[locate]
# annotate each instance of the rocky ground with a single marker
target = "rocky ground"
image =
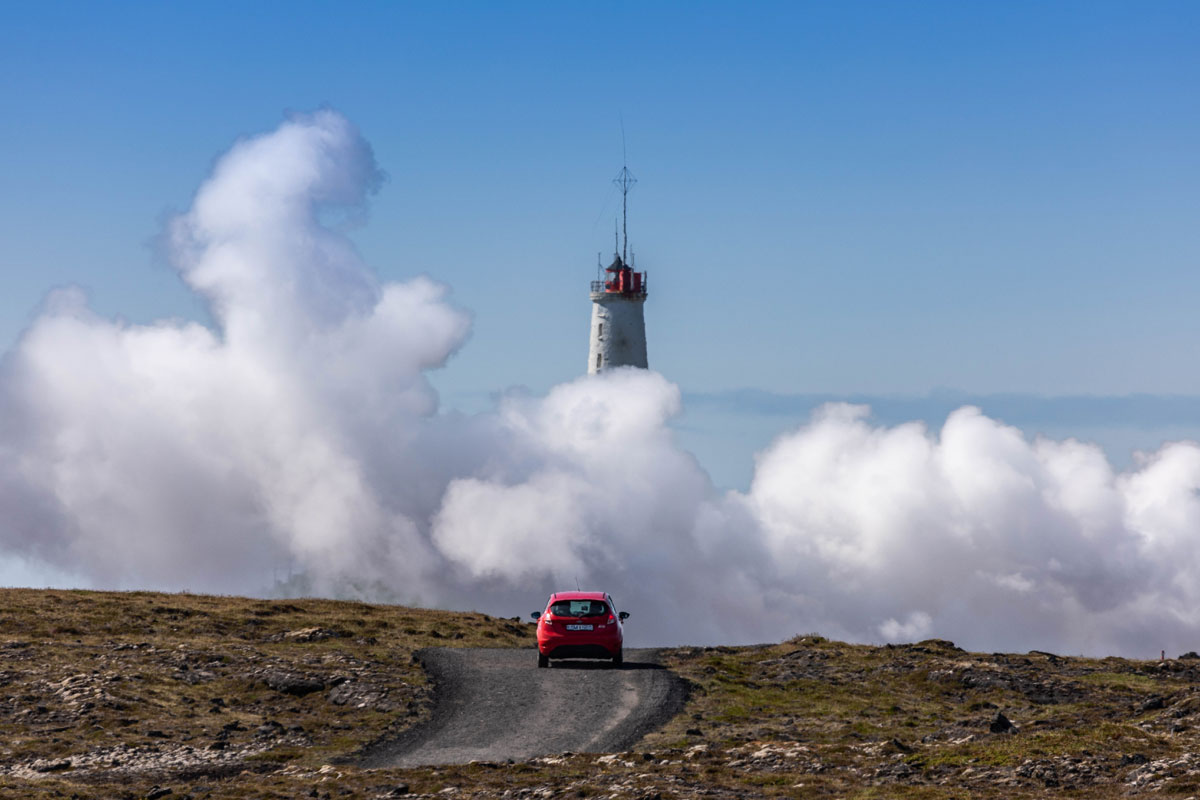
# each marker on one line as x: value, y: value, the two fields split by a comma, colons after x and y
x: 148, y: 695
x: 117, y: 694
x: 930, y: 720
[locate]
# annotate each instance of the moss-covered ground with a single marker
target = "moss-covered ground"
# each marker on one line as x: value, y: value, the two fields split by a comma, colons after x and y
x: 134, y: 695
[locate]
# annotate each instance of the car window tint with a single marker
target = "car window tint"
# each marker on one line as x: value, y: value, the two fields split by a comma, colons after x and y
x: 579, y: 608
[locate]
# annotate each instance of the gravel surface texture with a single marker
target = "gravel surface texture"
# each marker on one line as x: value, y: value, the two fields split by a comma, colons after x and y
x: 494, y: 705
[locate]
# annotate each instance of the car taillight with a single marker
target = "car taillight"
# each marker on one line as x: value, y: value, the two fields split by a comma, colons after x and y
x: 611, y: 619
x: 548, y: 617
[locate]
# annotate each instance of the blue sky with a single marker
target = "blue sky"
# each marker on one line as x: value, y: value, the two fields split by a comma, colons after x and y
x: 838, y: 199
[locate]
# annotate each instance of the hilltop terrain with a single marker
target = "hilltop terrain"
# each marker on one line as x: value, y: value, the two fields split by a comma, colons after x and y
x: 135, y: 695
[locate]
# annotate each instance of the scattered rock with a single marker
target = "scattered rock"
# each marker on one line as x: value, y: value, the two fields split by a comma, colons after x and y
x: 292, y: 683
x: 1152, y: 775
x: 157, y: 792
x: 1002, y: 724
x: 359, y: 695
x: 306, y: 635
x: 195, y: 676
x: 897, y: 770
x: 270, y: 728
x: 1153, y: 704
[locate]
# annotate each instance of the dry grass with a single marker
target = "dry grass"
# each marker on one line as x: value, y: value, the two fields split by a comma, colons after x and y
x: 110, y: 695
x: 120, y: 691
x: 916, y: 720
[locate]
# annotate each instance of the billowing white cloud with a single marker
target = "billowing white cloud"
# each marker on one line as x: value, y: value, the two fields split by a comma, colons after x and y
x: 917, y: 626
x: 299, y: 435
x: 174, y: 455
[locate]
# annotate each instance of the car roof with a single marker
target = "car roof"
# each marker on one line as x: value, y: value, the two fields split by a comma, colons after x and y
x: 577, y: 596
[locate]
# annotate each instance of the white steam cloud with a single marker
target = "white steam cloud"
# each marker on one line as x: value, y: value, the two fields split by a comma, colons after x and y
x: 301, y: 433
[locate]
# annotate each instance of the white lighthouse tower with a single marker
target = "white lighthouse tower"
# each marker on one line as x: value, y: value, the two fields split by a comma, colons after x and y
x: 618, y: 337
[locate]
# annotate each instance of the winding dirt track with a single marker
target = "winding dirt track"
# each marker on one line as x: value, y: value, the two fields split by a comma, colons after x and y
x: 493, y: 705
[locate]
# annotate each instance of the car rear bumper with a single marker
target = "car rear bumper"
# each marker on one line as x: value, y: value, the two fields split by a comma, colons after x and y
x: 580, y: 645
x: 582, y: 651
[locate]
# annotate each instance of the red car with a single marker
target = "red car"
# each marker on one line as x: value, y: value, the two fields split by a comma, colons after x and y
x: 580, y: 625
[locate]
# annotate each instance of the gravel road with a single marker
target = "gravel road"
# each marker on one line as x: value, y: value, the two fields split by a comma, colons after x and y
x: 493, y: 705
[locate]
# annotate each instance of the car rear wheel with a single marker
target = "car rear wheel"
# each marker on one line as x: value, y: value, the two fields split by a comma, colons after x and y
x: 543, y: 661
x: 619, y: 658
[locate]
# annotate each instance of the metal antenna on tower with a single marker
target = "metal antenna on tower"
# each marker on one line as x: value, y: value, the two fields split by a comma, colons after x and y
x: 624, y: 181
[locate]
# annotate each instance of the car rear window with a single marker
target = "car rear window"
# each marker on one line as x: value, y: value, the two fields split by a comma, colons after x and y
x: 579, y: 608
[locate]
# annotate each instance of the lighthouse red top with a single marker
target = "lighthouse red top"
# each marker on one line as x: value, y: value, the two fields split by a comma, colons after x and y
x: 623, y: 280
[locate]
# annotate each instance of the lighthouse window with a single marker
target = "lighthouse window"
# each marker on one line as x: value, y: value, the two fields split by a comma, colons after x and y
x: 598, y: 357
x: 600, y: 329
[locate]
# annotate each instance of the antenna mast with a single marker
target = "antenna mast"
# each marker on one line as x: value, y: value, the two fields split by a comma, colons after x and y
x: 624, y: 181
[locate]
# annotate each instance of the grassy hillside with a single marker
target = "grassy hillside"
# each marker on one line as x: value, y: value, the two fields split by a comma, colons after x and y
x: 930, y: 720
x: 117, y: 693
x: 132, y: 695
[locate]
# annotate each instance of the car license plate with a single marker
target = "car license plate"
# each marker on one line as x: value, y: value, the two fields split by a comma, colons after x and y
x: 579, y: 627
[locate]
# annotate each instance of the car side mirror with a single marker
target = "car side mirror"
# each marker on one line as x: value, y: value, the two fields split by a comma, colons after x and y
x: 536, y: 615
x: 624, y: 615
